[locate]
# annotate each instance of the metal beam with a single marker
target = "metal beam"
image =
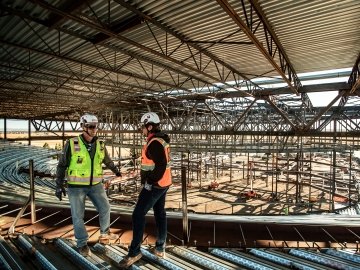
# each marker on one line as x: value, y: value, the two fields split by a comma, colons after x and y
x: 292, y: 81
x: 135, y: 44
x: 186, y: 40
x: 243, y: 115
x: 64, y: 58
x: 118, y: 27
x: 354, y: 79
x: 354, y: 84
x: 324, y: 110
x: 188, y: 116
x: 215, y: 115
x: 287, y: 119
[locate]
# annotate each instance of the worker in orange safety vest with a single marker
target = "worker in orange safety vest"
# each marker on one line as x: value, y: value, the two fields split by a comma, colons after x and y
x: 156, y: 179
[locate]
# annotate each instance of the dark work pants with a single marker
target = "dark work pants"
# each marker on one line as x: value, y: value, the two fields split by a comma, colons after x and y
x: 155, y: 199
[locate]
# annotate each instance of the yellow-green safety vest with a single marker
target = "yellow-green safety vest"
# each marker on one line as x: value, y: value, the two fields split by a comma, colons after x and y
x: 79, y: 170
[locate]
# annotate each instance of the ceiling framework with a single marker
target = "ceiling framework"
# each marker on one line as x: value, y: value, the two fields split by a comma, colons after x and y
x: 207, y: 67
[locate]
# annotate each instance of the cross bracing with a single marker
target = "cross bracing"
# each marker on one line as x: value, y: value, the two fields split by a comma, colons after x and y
x: 223, y: 66
x: 232, y: 81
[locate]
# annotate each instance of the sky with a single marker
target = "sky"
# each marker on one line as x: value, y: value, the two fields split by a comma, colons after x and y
x: 318, y: 99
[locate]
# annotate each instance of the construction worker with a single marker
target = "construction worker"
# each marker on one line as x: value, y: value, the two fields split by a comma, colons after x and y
x: 156, y: 179
x: 81, y: 163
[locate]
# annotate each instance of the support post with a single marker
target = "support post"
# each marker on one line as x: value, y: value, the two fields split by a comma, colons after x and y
x: 184, y: 205
x: 63, y: 134
x: 30, y: 201
x: 5, y: 129
x: 29, y: 132
x: 333, y: 186
x: 32, y: 191
x: 350, y: 176
x: 333, y: 169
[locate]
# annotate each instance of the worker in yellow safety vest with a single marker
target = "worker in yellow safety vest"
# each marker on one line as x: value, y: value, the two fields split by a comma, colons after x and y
x: 81, y: 164
x: 156, y: 179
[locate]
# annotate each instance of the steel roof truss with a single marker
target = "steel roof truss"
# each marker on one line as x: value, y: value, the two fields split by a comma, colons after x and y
x: 167, y: 115
x: 283, y: 66
x: 220, y: 121
x: 352, y: 122
x: 324, y: 110
x: 185, y: 40
x: 354, y: 79
x: 270, y: 100
x: 354, y: 83
x: 188, y: 115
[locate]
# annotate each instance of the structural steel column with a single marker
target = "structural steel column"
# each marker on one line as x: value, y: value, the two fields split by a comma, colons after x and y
x: 184, y: 205
x: 32, y: 191
x: 5, y: 130
x: 29, y: 132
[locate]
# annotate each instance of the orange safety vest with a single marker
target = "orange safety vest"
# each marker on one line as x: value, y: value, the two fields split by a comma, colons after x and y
x: 149, y: 165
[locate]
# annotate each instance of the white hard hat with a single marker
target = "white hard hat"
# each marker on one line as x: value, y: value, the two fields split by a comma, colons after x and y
x: 150, y: 118
x: 88, y: 119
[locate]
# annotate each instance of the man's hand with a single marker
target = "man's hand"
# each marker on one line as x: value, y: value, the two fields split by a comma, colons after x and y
x: 107, y: 184
x: 60, y: 190
x: 147, y: 186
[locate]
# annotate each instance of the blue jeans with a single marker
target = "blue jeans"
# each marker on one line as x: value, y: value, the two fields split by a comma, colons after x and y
x: 154, y: 199
x: 97, y: 195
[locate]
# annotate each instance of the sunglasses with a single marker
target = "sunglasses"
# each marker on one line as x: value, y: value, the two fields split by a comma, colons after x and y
x: 91, y: 126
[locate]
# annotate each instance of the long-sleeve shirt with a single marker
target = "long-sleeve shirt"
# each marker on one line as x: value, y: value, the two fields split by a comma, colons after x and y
x: 65, y: 158
x: 155, y: 152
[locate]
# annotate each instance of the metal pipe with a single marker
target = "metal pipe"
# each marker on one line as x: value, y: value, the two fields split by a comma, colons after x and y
x: 74, y: 255
x: 332, y: 237
x: 271, y: 236
x: 332, y: 192
x: 5, y: 129
x: 350, y: 174
x: 19, y: 215
x: 242, y: 235
x: 44, y: 262
x: 63, y: 134
x: 302, y: 237
x: 231, y: 169
x: 184, y: 205
x: 32, y: 191
x: 29, y: 132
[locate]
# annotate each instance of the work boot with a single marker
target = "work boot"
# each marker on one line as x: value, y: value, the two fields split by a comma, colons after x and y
x: 158, y: 253
x: 84, y: 251
x: 128, y: 261
x: 105, y: 238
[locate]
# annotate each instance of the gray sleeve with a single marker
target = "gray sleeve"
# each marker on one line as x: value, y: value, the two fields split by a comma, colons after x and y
x: 109, y: 163
x: 63, y: 164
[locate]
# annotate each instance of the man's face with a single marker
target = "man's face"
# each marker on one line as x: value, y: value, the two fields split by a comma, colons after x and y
x: 91, y: 128
x: 145, y: 130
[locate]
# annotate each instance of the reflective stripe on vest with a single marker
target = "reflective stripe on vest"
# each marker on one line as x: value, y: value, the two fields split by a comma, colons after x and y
x: 149, y: 165
x: 79, y: 171
x: 76, y: 144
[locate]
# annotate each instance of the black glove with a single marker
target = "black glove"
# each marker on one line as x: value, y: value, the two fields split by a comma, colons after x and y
x: 60, y: 190
x: 118, y: 174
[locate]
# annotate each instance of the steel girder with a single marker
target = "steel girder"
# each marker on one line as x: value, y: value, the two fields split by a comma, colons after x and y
x: 273, y: 51
x: 249, y: 22
x: 101, y: 76
x: 105, y: 30
x: 354, y: 85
